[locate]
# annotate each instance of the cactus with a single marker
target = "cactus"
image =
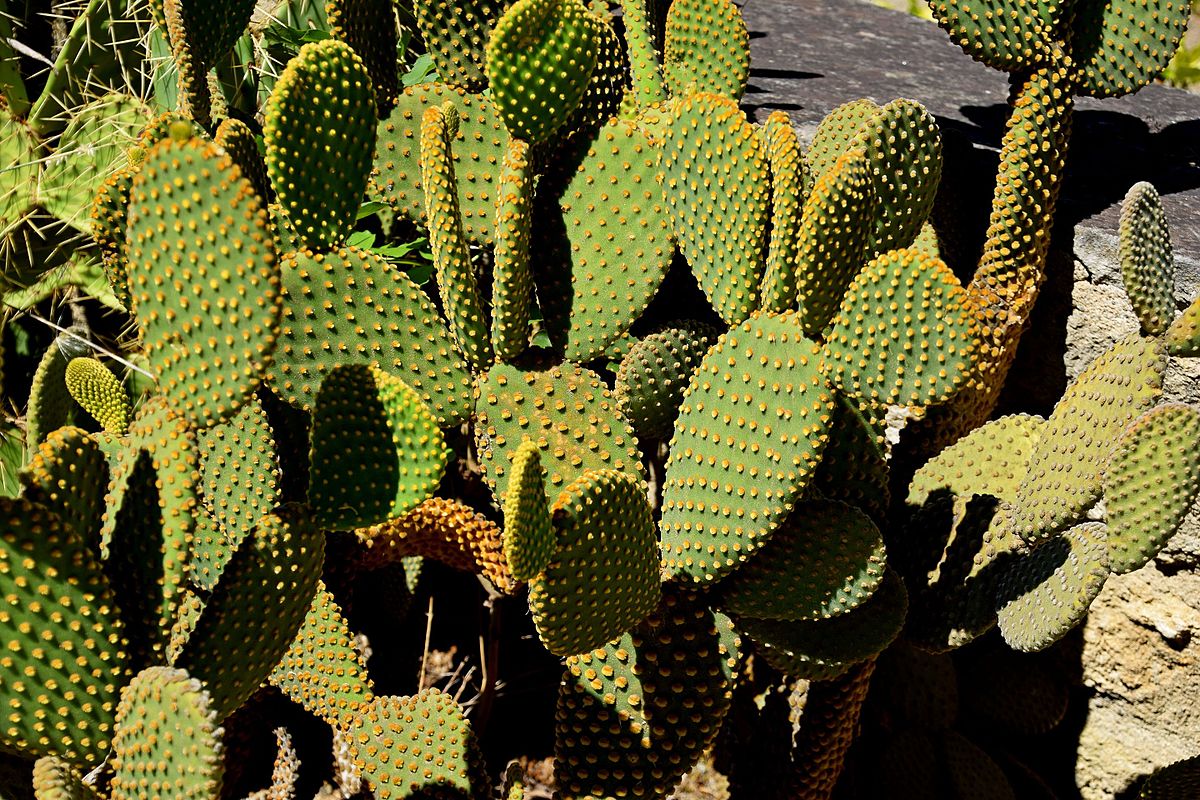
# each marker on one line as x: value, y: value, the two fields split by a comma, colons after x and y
x: 98, y: 392
x: 655, y: 373
x: 529, y: 538
x: 691, y: 62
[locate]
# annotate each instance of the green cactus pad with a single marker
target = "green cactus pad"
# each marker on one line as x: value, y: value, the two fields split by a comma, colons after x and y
x: 377, y: 451
x: 707, y: 49
x: 456, y: 35
x: 540, y: 59
x: 67, y: 476
x: 603, y: 577
x: 904, y: 148
x: 455, y: 272
x: 167, y: 743
x: 1044, y: 593
x: 835, y: 226
x: 716, y: 180
x: 352, y: 307
x: 1122, y: 45
x: 529, y: 538
x: 790, y: 185
x: 1150, y: 483
x: 99, y: 393
x: 109, y: 214
x: 655, y: 373
x: 239, y: 483
x: 827, y: 648
x: 835, y: 134
x: 87, y: 153
x: 512, y: 281
x: 993, y: 460
x: 1183, y: 337
x: 443, y: 530
x: 200, y: 33
x: 927, y: 241
x: 593, y: 280
x: 904, y: 334
x: 478, y: 152
x: 369, y: 28
x: 636, y: 714
x: 54, y: 779
x: 1078, y: 439
x: 566, y: 410
x: 319, y: 152
x: 207, y: 304
x: 748, y: 438
x: 50, y: 404
x: 854, y: 468
x: 1147, y: 263
x: 419, y: 746
x: 1177, y: 781
x: 646, y: 78
x: 609, y: 82
x: 322, y: 670
x: 257, y: 608
x: 59, y: 611
x: 826, y: 559
x: 237, y: 139
x: 1009, y: 35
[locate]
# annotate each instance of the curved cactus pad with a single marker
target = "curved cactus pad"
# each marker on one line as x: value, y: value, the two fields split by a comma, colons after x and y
x: 67, y: 476
x: 61, y: 639
x: 790, y: 185
x: 256, y: 609
x: 636, y: 714
x: 854, y: 468
x: 417, y: 746
x: 1150, y: 484
x: 826, y: 559
x: 529, y: 538
x: 455, y: 272
x: 238, y: 140
x: 1122, y: 45
x: 656, y: 372
x: 377, y: 452
x: 1147, y: 263
x: 319, y: 151
x: 707, y: 49
x: 603, y: 577
x: 369, y: 27
x: 1008, y: 35
x: 98, y: 392
x: 716, y: 180
x: 239, y: 483
x: 206, y: 298
x: 457, y: 34
x: 54, y: 779
x: 323, y: 671
x: 1183, y: 337
x: 540, y: 58
x: 441, y: 529
x: 1077, y: 440
x: 512, y: 281
x: 827, y: 648
x: 167, y: 742
x: 991, y: 460
x: 748, y: 438
x: 1046, y: 592
x: 1177, y: 781
x: 835, y: 134
x: 905, y: 334
x: 478, y: 150
x: 566, y: 410
x: 603, y: 238
x: 352, y: 307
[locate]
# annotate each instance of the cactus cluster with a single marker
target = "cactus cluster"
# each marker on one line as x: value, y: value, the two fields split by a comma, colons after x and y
x: 287, y: 412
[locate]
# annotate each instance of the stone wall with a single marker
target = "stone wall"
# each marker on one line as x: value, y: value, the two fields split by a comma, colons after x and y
x: 1141, y: 651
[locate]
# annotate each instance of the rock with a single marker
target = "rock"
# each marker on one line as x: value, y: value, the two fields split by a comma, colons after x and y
x: 1142, y: 654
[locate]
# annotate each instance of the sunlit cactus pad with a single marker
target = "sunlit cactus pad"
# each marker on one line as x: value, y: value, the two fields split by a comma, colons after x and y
x: 214, y: 285
x: 319, y: 153
x: 747, y: 440
x: 351, y: 306
x: 167, y: 742
x: 1007, y: 35
x: 411, y: 746
x: 58, y: 610
x: 529, y: 538
x: 566, y: 410
x: 1147, y: 261
x: 603, y: 577
x: 1150, y: 484
x: 641, y: 709
x: 707, y: 48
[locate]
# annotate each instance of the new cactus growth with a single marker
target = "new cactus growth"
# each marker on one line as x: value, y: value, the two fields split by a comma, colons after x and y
x: 426, y: 321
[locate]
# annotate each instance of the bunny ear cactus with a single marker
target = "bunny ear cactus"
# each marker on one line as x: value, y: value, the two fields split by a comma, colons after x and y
x: 457, y: 35
x: 707, y: 49
x: 99, y: 393
x: 1147, y: 263
x: 200, y: 33
x: 369, y: 28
